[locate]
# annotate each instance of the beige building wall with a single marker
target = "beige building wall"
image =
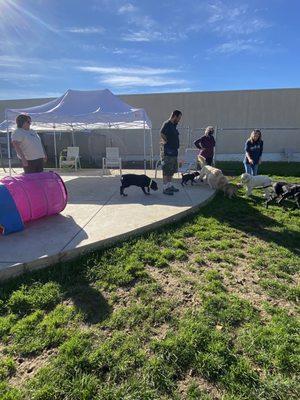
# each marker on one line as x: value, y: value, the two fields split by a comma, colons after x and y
x: 246, y: 109
x: 230, y: 110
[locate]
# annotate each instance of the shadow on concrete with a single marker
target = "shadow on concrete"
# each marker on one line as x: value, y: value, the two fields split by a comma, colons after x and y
x: 101, y: 191
x: 43, y: 237
x: 62, y: 229
x: 91, y: 190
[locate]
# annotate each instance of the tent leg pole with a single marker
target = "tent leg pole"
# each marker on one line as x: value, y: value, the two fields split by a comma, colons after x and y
x: 151, y: 148
x: 55, y: 148
x: 215, y: 150
x: 73, y: 137
x: 144, y: 148
x: 8, y: 148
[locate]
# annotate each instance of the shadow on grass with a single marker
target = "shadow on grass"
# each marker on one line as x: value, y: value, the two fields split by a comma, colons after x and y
x: 244, y: 214
x: 88, y: 301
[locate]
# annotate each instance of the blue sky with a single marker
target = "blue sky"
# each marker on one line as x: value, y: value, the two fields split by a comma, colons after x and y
x: 49, y: 46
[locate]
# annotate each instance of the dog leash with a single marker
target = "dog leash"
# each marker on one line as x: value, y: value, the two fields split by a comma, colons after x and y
x: 149, y: 184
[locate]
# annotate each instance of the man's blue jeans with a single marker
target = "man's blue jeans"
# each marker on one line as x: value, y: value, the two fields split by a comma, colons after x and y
x: 251, y: 169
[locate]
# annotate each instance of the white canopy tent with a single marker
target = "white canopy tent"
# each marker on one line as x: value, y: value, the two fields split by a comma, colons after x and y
x: 78, y: 110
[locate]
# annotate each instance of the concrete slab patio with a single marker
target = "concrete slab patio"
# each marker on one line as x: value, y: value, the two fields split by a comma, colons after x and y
x: 96, y: 216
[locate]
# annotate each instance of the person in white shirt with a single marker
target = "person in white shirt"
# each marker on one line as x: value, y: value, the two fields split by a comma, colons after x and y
x: 28, y: 146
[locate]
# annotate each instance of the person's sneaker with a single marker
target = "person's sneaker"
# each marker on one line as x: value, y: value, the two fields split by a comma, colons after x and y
x: 168, y: 191
x: 174, y: 189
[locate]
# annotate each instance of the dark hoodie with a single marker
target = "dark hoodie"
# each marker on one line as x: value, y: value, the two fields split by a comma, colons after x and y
x: 254, y: 149
x: 206, y: 145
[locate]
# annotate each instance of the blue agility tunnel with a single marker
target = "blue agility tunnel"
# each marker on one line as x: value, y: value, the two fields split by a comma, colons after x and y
x: 10, y: 219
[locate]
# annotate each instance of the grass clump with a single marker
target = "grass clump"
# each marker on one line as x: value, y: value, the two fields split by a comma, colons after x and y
x: 274, y: 345
x: 35, y: 297
x: 278, y: 289
x: 32, y: 334
x: 9, y: 393
x: 7, y: 367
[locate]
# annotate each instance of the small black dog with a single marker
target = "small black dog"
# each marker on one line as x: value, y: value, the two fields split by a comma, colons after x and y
x: 284, y: 190
x: 189, y: 177
x: 143, y: 181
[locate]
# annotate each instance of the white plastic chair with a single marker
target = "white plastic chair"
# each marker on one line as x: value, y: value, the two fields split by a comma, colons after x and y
x: 159, y: 160
x: 189, y: 161
x: 112, y: 159
x: 70, y: 158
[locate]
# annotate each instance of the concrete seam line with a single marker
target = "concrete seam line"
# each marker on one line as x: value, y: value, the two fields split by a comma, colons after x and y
x: 93, y: 216
x: 19, y: 269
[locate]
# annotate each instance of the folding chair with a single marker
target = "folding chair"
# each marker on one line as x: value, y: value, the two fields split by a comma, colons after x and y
x: 69, y: 158
x: 189, y: 162
x: 112, y: 159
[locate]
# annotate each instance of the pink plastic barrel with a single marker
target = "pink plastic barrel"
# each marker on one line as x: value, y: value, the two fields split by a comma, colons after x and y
x: 37, y: 195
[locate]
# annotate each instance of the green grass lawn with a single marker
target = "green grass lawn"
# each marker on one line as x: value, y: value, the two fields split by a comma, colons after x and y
x: 203, y: 309
x: 269, y: 168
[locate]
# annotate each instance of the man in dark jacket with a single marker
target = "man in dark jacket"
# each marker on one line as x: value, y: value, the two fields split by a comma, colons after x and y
x: 169, y: 151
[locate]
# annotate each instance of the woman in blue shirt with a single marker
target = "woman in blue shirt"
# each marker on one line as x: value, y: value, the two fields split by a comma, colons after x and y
x: 253, y: 152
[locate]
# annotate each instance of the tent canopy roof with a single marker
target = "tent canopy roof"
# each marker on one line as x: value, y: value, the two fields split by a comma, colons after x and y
x: 78, y: 110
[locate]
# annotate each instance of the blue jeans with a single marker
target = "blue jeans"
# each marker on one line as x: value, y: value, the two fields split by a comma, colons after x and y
x: 251, y: 169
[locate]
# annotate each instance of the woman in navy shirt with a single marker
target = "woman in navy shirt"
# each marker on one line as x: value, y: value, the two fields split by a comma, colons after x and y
x: 253, y: 152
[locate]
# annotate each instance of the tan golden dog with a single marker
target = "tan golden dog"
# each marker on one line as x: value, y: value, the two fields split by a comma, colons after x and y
x: 201, y: 161
x: 217, y: 181
x: 207, y: 170
x: 230, y: 189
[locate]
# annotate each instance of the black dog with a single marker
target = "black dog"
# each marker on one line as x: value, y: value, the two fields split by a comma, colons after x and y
x: 143, y: 181
x: 291, y: 191
x: 189, y: 177
x: 278, y: 189
x: 282, y: 191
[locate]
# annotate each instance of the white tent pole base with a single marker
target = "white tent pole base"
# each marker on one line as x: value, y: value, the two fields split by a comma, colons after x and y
x: 8, y: 146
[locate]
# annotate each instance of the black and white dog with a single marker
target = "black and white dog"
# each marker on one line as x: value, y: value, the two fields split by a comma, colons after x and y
x: 284, y: 190
x: 291, y: 192
x: 189, y: 177
x: 278, y: 189
x: 142, y: 181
